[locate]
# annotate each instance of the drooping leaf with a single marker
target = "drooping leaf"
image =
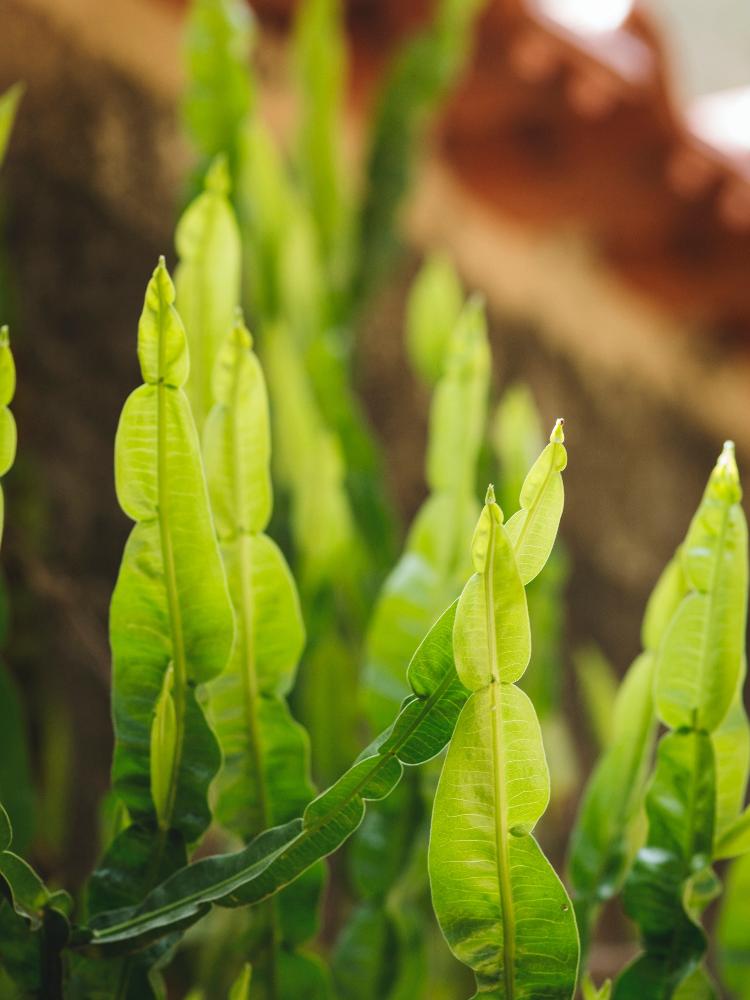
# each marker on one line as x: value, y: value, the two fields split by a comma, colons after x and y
x: 500, y: 904
x: 279, y: 856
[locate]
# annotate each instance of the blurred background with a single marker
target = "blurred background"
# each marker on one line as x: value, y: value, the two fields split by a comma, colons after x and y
x: 587, y: 170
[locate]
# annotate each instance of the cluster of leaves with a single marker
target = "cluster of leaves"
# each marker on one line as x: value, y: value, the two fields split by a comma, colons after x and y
x: 207, y: 627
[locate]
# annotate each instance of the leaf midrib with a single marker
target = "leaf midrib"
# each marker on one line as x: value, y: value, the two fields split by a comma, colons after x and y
x: 498, y: 763
x: 249, y: 672
x: 179, y: 660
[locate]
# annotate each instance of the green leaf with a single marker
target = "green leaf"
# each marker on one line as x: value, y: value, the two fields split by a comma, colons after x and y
x: 499, y: 903
x: 590, y: 992
x: 422, y: 72
x: 731, y: 743
x: 279, y: 856
x: 459, y: 405
x: 207, y: 281
x: 265, y: 780
x: 601, y: 844
x: 163, y: 758
x: 701, y: 656
x: 434, y: 565
x: 241, y: 987
x: 432, y: 311
x: 8, y: 433
x: 533, y: 528
x: 6, y: 831
x: 733, y: 943
x: 680, y: 808
x: 9, y: 102
x: 598, y: 683
x: 170, y: 604
x: 517, y: 439
x: 493, y: 598
x: 321, y: 72
x: 219, y: 92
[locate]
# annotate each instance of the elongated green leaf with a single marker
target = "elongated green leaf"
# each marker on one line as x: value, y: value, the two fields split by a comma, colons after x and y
x: 702, y: 653
x: 278, y: 856
x: 321, y: 71
x: 601, y: 846
x: 533, y: 528
x: 207, y: 281
x: 265, y: 779
x: 500, y: 904
x: 220, y: 89
x: 432, y: 311
x: 731, y: 932
x: 170, y: 604
x: 598, y: 683
x: 9, y: 102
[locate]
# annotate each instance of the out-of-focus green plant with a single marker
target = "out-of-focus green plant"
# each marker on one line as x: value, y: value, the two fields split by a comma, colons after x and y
x: 697, y: 670
x: 265, y: 775
x: 381, y: 950
x: 421, y: 75
x: 9, y: 102
x: 732, y: 938
x: 598, y: 684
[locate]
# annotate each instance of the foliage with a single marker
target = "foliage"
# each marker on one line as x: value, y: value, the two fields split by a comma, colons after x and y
x: 502, y: 909
x: 216, y: 840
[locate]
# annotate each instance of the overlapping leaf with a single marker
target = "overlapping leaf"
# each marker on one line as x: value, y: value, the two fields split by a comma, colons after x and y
x: 207, y: 282
x: 280, y: 855
x: 698, y: 667
x: 170, y: 604
x: 502, y: 908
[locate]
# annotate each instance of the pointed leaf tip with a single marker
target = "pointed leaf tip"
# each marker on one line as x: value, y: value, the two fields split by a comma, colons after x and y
x: 217, y: 176
x: 725, y: 478
x: 490, y: 495
x: 4, y: 336
x: 558, y: 432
